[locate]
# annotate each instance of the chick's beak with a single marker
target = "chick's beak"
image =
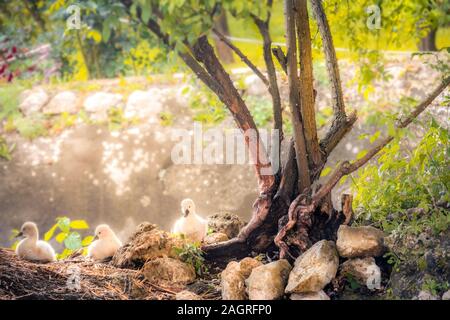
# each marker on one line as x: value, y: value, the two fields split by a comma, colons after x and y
x: 20, y: 234
x: 96, y: 237
x: 186, y: 212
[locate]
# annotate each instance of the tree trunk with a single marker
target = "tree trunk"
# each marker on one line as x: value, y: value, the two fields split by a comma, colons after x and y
x: 288, y: 213
x: 224, y: 52
x: 428, y: 43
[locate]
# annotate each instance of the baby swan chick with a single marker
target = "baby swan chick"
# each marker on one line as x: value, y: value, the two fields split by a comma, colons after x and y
x: 105, y: 245
x: 190, y: 224
x: 31, y: 248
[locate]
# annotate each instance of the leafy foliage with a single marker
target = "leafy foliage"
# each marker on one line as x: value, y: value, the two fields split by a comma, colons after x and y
x: 5, y: 149
x: 193, y: 255
x: 208, y: 109
x: 403, y: 179
x: 68, y: 235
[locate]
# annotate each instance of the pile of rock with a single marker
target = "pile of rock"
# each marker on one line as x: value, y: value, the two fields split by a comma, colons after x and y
x: 154, y: 251
x: 222, y: 227
x: 311, y: 272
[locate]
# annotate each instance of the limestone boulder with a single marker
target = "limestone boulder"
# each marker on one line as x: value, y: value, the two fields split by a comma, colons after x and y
x: 145, y: 104
x: 232, y: 279
x: 232, y: 282
x: 225, y: 222
x: 354, y: 242
x: 314, y: 269
x: 320, y: 295
x: 147, y: 243
x: 247, y: 264
x: 365, y: 271
x: 187, y: 295
x: 215, y: 237
x: 168, y: 271
x: 267, y: 282
x: 33, y: 101
x: 98, y: 104
x: 64, y: 101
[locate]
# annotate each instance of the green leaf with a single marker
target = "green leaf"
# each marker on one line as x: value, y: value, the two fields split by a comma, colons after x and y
x: 79, y: 224
x: 343, y: 179
x: 49, y: 234
x: 63, y: 224
x: 73, y: 241
x: 325, y: 172
x: 61, y: 237
x: 375, y: 136
x: 87, y: 241
x: 361, y: 154
x: 106, y: 32
x: 146, y: 11
x: 14, y: 233
x: 95, y: 35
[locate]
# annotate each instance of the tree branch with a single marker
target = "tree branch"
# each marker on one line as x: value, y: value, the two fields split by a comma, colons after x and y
x: 263, y: 27
x: 229, y: 95
x: 307, y: 85
x: 339, y: 128
x: 347, y: 168
x: 341, y: 124
x: 241, y: 55
x: 330, y: 56
x: 218, y: 80
x: 304, y: 182
x: 281, y: 57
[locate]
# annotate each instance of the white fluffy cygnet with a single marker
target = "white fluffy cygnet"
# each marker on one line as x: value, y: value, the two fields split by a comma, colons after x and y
x: 105, y: 245
x: 31, y: 248
x: 190, y: 224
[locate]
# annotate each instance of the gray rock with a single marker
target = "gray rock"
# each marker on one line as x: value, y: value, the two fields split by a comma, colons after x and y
x: 168, y: 271
x: 254, y: 85
x: 364, y: 271
x: 418, y: 264
x: 425, y: 295
x: 247, y: 264
x: 232, y: 282
x: 267, y: 282
x: 320, y: 295
x: 99, y: 103
x: 33, y: 101
x: 225, y: 222
x: 65, y: 101
x: 187, y: 295
x: 353, y: 242
x: 147, y: 243
x: 215, y: 237
x: 232, y: 279
x: 446, y: 295
x: 314, y: 269
x: 145, y: 104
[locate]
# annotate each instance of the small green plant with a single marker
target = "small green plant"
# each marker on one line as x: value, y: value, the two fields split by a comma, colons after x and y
x: 5, y: 149
x: 193, y: 255
x: 117, y: 119
x: 261, y: 109
x: 63, y: 121
x: 67, y: 235
x: 13, y: 238
x: 393, y: 260
x: 208, y: 109
x: 433, y: 287
x: 353, y: 283
x: 31, y: 127
x: 404, y: 179
x: 166, y: 119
